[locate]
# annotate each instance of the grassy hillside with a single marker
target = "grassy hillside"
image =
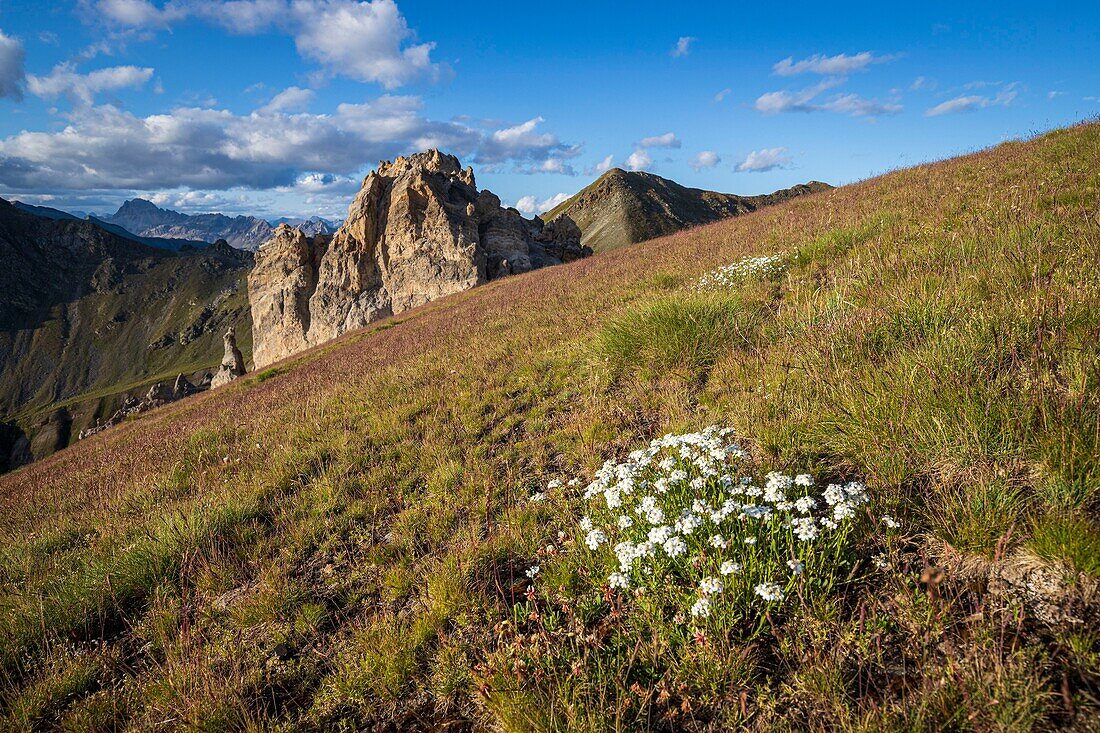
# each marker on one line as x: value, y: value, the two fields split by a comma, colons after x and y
x: 343, y: 541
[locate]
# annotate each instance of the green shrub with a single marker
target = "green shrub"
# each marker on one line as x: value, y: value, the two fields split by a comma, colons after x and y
x: 1068, y: 538
x: 682, y: 335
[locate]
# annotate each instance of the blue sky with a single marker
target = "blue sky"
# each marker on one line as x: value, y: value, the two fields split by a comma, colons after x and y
x: 279, y: 107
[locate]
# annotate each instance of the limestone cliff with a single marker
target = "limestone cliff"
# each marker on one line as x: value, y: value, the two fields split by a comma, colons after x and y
x: 418, y: 230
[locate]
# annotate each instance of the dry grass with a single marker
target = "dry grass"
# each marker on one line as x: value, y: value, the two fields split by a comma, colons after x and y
x: 339, y: 544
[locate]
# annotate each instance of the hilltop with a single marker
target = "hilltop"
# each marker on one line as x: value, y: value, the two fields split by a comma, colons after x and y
x: 624, y: 207
x: 390, y: 531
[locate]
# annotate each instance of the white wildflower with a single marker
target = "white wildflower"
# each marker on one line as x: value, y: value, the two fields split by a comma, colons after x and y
x: 701, y: 608
x: 618, y: 580
x: 625, y: 522
x: 805, y: 528
x: 833, y: 494
x: 796, y: 567
x: 806, y: 504
x: 769, y: 592
x: 890, y: 522
x: 594, y: 539
x: 719, y: 542
x: 532, y: 571
x: 674, y: 546
x: 729, y: 567
x: 710, y: 586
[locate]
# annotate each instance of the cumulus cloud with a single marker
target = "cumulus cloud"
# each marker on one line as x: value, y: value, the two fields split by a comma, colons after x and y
x: 604, y: 164
x: 105, y: 148
x: 839, y: 65
x: 12, y: 71
x: 290, y: 99
x: 639, y: 160
x: 532, y: 205
x: 668, y: 140
x: 542, y: 151
x: 139, y: 13
x: 704, y: 159
x: 66, y: 81
x: 805, y: 101
x: 971, y: 102
x: 683, y: 46
x: 767, y: 159
x: 368, y: 41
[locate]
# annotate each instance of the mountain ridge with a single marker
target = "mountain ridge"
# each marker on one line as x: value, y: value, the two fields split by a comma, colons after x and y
x: 143, y: 217
x: 625, y: 207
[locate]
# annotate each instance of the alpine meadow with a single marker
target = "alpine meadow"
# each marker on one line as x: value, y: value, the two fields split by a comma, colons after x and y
x: 377, y: 448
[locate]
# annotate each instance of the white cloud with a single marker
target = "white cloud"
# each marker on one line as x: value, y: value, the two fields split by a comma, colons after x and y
x: 531, y: 205
x: 639, y: 160
x: 856, y: 106
x: 803, y: 101
x: 668, y: 140
x: 1054, y: 94
x: 683, y: 46
x: 704, y: 159
x: 784, y: 101
x: 543, y: 151
x: 722, y: 94
x: 839, y: 65
x: 139, y: 13
x: 107, y: 149
x: 361, y: 40
x: 66, y: 81
x: 12, y: 71
x: 767, y: 159
x: 290, y: 99
x: 971, y: 102
x: 921, y: 83
x: 368, y: 41
x: 604, y: 164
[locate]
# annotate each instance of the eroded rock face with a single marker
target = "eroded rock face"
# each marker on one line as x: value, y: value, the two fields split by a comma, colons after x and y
x: 232, y: 365
x: 418, y: 230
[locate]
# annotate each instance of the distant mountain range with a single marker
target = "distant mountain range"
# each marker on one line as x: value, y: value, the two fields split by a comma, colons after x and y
x: 623, y: 207
x: 88, y: 315
x: 311, y: 227
x: 145, y: 222
x: 146, y: 219
x: 158, y: 242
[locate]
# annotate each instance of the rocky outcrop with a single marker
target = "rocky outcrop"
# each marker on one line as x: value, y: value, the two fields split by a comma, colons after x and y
x: 418, y: 230
x: 232, y: 365
x: 159, y: 394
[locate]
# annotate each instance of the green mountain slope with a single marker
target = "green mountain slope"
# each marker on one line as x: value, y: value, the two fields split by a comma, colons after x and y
x: 622, y: 207
x: 87, y: 316
x: 346, y: 541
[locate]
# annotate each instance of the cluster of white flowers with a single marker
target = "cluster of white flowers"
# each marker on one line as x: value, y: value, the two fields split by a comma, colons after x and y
x: 685, y: 509
x: 746, y: 268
